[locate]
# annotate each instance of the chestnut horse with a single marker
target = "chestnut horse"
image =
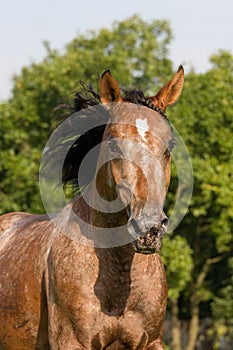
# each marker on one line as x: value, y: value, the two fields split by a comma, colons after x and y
x: 56, y: 293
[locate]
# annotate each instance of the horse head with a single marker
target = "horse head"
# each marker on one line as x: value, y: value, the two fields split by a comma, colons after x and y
x: 140, y: 139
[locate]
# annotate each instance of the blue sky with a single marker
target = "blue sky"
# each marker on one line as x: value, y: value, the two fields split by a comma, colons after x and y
x: 200, y: 28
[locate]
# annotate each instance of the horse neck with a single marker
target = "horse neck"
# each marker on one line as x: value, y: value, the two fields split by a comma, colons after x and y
x: 113, y: 284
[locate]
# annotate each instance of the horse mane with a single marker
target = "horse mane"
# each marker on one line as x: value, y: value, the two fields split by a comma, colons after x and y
x: 77, y: 132
x: 85, y: 101
x: 84, y: 143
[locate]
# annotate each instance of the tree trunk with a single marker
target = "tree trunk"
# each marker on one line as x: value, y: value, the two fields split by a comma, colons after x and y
x: 194, y: 323
x: 195, y: 302
x: 176, y: 333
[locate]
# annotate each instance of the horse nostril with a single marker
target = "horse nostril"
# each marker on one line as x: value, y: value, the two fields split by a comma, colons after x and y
x: 164, y: 222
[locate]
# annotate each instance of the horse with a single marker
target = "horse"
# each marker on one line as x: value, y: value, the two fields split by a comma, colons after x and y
x: 57, y: 292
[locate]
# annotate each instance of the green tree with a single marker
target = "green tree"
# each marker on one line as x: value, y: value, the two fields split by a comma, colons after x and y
x: 177, y: 258
x: 222, y: 307
x: 204, y: 118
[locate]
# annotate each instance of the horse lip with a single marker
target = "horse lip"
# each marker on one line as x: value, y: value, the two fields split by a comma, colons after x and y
x: 144, y: 249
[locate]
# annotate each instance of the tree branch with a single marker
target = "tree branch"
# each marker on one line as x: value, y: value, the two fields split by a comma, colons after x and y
x: 205, y: 269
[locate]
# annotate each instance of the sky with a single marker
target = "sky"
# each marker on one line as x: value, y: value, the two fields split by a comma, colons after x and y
x: 200, y: 28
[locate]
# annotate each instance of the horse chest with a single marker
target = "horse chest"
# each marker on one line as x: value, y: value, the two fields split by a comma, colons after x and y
x: 107, y: 305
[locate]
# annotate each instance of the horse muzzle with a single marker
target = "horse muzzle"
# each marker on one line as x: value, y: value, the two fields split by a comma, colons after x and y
x: 147, y: 232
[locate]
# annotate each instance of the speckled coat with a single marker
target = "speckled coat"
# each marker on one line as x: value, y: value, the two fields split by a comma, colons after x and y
x: 59, y: 294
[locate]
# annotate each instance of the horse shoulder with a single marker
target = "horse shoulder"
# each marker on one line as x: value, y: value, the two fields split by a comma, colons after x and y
x: 24, y: 244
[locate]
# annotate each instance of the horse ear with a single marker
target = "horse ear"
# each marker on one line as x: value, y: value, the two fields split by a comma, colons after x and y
x: 109, y: 89
x: 170, y: 93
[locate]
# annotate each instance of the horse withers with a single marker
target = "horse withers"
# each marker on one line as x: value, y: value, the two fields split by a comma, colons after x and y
x: 56, y: 293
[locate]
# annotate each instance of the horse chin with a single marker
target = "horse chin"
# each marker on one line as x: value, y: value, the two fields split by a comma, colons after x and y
x: 148, y: 243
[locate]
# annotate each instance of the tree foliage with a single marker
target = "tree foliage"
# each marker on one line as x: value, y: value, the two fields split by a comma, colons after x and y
x: 177, y: 257
x: 204, y: 118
